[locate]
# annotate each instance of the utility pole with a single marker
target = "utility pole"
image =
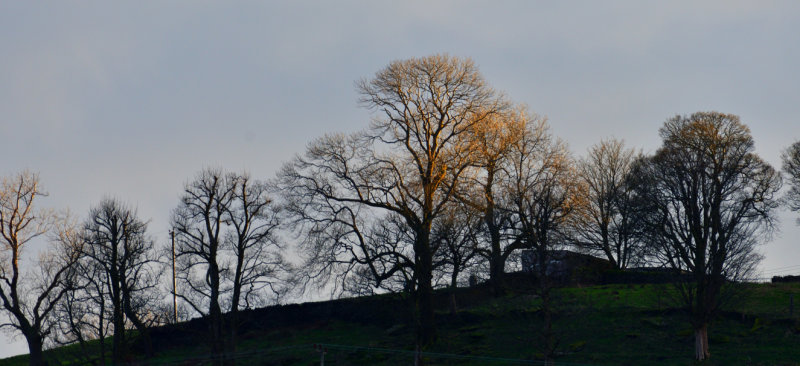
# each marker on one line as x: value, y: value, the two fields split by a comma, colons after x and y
x: 174, y: 287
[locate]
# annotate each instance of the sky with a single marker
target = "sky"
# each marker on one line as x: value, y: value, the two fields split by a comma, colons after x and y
x: 131, y: 99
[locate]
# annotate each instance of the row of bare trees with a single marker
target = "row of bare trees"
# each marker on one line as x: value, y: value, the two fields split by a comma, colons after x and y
x: 102, y: 277
x: 95, y: 278
x: 450, y: 180
x: 451, y: 177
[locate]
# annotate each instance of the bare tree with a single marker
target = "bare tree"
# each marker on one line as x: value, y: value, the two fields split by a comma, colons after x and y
x: 544, y: 191
x: 225, y: 249
x: 407, y: 164
x: 82, y: 314
x: 791, y: 167
x: 606, y: 222
x: 252, y: 219
x: 123, y: 257
x: 494, y: 139
x: 29, y: 298
x: 198, y: 225
x: 115, y: 285
x: 709, y: 200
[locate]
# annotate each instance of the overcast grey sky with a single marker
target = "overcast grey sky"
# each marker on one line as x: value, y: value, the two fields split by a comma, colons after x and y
x: 132, y: 99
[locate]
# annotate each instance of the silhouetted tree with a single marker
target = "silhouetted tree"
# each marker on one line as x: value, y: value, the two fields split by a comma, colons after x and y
x: 259, y: 270
x: 198, y: 226
x: 121, y: 257
x: 225, y: 249
x: 709, y: 199
x: 30, y: 298
x: 544, y: 190
x: 494, y: 139
x: 606, y: 223
x: 407, y: 164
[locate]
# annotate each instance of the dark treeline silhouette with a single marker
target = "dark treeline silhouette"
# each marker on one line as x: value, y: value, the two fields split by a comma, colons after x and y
x: 449, y: 184
x: 781, y: 279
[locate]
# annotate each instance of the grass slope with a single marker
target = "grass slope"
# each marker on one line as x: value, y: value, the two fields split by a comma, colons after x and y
x: 597, y: 325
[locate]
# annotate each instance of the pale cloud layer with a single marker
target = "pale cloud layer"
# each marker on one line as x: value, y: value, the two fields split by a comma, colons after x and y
x: 131, y: 100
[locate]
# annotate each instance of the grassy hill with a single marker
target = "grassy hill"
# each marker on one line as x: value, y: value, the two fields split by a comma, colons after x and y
x: 596, y: 325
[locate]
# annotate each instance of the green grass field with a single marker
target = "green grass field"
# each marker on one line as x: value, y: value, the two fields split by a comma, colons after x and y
x: 597, y: 325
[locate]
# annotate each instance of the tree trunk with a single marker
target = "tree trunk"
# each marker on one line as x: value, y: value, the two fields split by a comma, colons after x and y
x: 453, y: 287
x: 36, y: 357
x: 496, y: 260
x: 496, y: 271
x: 118, y: 316
x: 233, y: 315
x: 426, y: 331
x: 233, y: 328
x: 118, y: 343
x: 144, y: 331
x: 102, y: 338
x: 215, y: 326
x: 215, y: 315
x: 701, y: 343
